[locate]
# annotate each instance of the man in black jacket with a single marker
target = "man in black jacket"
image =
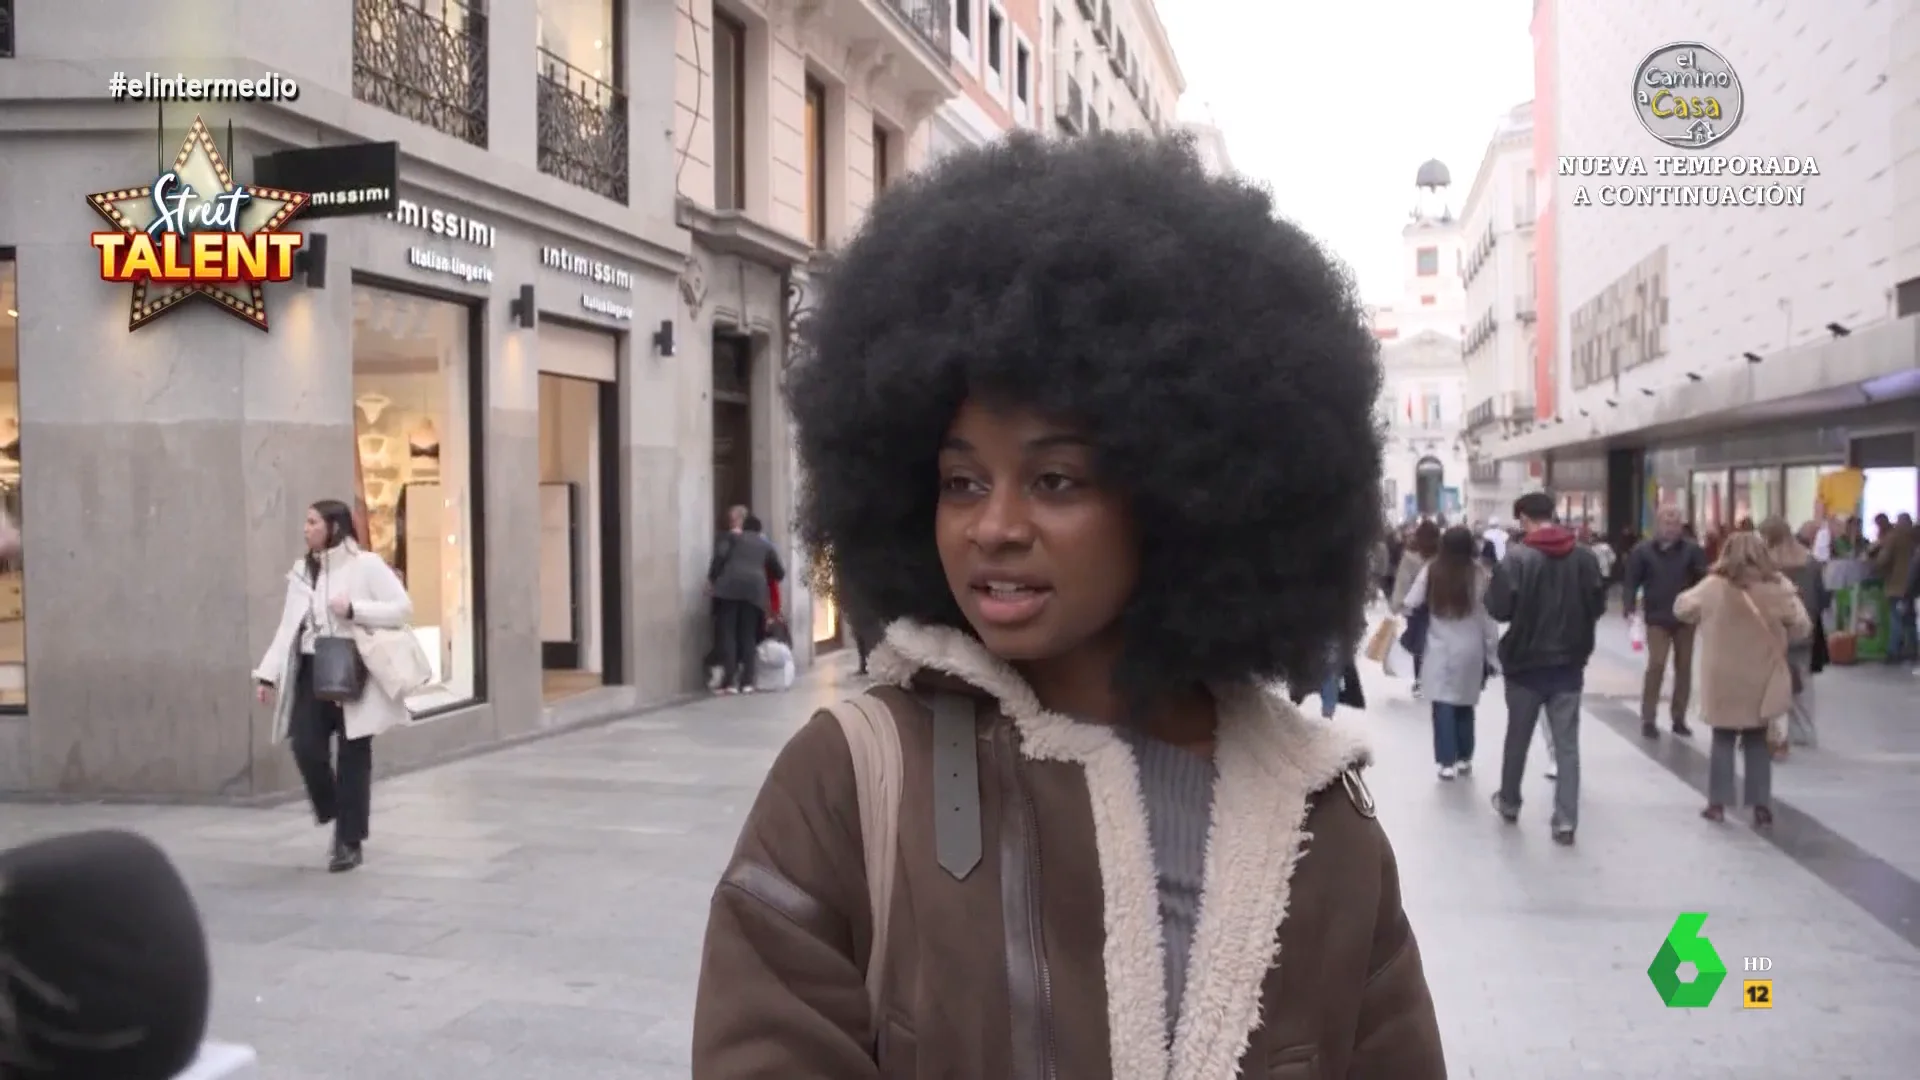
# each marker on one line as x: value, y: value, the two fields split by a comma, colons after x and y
x: 1550, y: 593
x: 1658, y: 571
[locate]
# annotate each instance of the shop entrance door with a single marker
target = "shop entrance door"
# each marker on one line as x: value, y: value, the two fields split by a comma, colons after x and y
x: 580, y: 536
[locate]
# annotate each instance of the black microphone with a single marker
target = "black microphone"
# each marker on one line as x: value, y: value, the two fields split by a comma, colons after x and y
x: 104, y: 972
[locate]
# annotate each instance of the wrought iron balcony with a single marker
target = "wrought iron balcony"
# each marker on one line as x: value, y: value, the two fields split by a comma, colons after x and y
x: 6, y: 27
x: 582, y: 128
x: 425, y: 60
x: 1510, y: 410
x: 1483, y: 472
x: 931, y: 19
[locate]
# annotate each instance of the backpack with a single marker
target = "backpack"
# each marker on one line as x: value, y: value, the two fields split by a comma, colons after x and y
x: 873, y: 743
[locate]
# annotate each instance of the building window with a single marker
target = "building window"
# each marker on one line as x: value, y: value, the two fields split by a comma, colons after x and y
x: 1426, y: 301
x: 882, y: 158
x: 997, y: 43
x: 729, y: 113
x: 816, y: 170
x: 415, y: 392
x: 963, y: 29
x: 1426, y: 261
x: 13, y: 608
x: 1023, y: 78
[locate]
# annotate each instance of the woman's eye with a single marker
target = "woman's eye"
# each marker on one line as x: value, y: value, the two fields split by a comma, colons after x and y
x: 961, y: 485
x: 1055, y: 482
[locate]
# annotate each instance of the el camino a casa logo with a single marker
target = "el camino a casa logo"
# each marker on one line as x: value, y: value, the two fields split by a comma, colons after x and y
x: 1687, y: 95
x: 196, y: 232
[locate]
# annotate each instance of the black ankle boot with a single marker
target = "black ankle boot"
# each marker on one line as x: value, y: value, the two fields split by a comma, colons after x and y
x: 345, y: 857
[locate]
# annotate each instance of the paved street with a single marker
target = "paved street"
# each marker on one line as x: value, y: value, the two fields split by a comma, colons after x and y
x: 536, y: 913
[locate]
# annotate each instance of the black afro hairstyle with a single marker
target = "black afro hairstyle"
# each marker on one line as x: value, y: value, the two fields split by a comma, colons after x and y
x: 1216, y: 356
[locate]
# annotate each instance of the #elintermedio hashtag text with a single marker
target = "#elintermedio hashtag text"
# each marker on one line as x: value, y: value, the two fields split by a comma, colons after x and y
x: 153, y: 86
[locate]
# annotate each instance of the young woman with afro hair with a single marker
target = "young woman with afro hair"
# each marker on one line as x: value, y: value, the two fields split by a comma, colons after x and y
x: 1090, y: 433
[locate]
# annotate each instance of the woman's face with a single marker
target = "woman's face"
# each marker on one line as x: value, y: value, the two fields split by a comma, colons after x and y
x: 1041, y: 557
x: 315, y: 531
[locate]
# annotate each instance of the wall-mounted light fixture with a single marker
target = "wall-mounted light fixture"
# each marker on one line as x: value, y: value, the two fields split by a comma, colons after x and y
x: 310, y: 262
x: 663, y: 338
x: 13, y: 313
x: 525, y: 315
x: 1837, y: 330
x: 1753, y: 357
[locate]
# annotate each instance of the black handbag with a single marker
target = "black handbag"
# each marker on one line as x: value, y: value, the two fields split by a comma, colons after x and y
x: 339, y: 674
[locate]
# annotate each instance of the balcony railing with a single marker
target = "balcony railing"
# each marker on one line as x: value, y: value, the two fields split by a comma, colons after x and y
x: 6, y: 27
x: 426, y: 61
x: 1508, y: 408
x: 582, y: 128
x: 931, y: 19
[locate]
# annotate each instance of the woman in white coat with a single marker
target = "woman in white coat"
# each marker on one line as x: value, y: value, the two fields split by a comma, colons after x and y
x: 331, y: 589
x: 1462, y: 646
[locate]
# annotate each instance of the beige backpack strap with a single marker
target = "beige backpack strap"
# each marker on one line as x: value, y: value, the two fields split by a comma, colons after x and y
x: 873, y: 742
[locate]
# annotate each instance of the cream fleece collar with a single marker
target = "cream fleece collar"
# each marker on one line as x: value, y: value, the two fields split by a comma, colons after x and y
x: 1270, y: 758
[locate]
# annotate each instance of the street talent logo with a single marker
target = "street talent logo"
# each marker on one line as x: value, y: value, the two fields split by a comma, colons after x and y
x: 195, y: 232
x: 1687, y: 95
x: 1685, y: 944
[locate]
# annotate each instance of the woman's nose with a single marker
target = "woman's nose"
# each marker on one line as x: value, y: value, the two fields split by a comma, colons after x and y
x: 1004, y: 518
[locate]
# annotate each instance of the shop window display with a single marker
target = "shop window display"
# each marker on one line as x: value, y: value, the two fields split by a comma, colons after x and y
x: 1802, y: 498
x: 1709, y: 501
x: 412, y: 399
x: 13, y: 625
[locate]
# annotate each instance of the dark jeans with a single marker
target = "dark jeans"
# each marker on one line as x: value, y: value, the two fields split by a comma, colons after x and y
x: 1452, y: 733
x: 1524, y: 707
x: 1902, y: 643
x: 1758, y: 766
x: 341, y: 791
x: 736, y: 631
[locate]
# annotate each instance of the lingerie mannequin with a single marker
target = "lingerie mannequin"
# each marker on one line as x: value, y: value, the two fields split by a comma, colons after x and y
x: 424, y: 442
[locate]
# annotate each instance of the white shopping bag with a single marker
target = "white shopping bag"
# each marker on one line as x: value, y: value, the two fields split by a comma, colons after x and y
x: 1637, y: 632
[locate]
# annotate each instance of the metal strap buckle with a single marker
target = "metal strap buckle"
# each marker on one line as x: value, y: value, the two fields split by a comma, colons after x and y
x: 1357, y: 793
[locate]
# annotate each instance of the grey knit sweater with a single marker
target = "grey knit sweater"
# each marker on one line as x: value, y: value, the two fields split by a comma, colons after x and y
x: 1178, y: 788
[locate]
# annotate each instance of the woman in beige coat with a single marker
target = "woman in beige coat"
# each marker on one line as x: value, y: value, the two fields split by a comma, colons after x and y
x: 1749, y: 615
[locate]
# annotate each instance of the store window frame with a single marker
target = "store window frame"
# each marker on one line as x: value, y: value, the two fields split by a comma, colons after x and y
x: 477, y: 383
x: 1426, y: 262
x: 10, y: 256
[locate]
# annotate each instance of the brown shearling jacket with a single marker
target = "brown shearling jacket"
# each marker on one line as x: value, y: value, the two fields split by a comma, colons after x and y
x: 1044, y: 961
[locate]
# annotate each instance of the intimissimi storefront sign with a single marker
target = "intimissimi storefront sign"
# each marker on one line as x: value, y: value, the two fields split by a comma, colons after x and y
x: 452, y: 225
x: 612, y: 297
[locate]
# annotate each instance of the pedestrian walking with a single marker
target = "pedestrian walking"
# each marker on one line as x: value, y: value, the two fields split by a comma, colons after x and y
x: 1088, y: 611
x: 745, y: 564
x: 1422, y: 545
x: 1657, y: 572
x: 1749, y: 616
x: 1796, y: 564
x: 308, y: 674
x: 1549, y: 592
x: 1462, y: 646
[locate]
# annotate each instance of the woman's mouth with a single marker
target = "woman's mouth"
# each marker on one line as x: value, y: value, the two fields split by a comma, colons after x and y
x: 1007, y: 603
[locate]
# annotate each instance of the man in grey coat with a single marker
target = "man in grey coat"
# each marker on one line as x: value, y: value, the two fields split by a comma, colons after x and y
x: 745, y: 563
